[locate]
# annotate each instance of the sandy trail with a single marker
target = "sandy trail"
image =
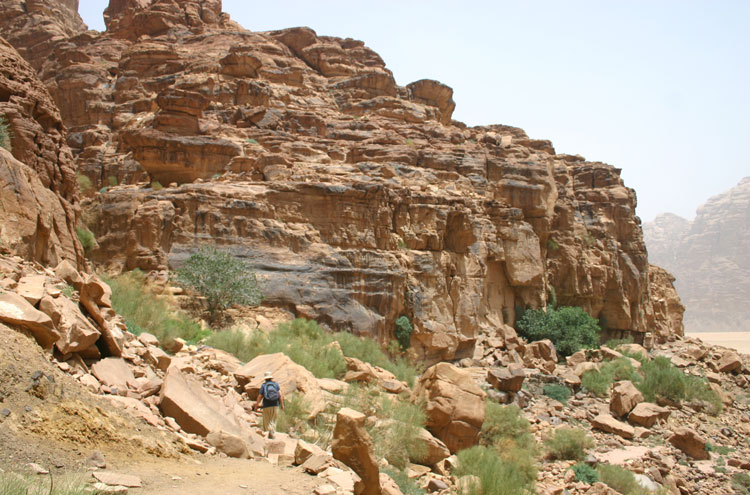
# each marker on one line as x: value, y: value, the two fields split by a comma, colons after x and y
x: 739, y: 341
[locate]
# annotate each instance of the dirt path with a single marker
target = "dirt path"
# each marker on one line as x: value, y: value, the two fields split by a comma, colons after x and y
x: 216, y: 475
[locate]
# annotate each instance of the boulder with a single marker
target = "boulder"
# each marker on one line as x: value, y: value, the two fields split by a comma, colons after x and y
x: 229, y: 444
x: 66, y: 271
x: 508, y: 379
x: 688, y: 441
x: 729, y: 361
x: 31, y: 288
x: 290, y: 376
x: 575, y: 359
x: 454, y: 404
x: 353, y: 446
x: 646, y: 414
x: 624, y: 398
x: 633, y: 349
x: 113, y: 372
x: 430, y: 450
x: 77, y: 333
x: 606, y: 422
x: 304, y: 451
x: 185, y: 400
x: 16, y: 310
x: 582, y: 368
x: 157, y: 358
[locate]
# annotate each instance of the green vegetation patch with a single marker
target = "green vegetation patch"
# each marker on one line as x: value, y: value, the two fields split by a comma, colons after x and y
x: 569, y: 328
x: 496, y: 476
x: 85, y: 237
x: 585, y: 473
x: 568, y: 444
x: 560, y: 393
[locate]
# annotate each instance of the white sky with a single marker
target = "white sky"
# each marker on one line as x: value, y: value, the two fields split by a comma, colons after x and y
x: 658, y: 88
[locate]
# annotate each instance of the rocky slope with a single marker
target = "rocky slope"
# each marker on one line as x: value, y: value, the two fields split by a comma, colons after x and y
x: 358, y: 200
x: 709, y: 258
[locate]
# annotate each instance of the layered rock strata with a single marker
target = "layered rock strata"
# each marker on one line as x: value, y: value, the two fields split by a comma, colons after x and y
x: 358, y: 200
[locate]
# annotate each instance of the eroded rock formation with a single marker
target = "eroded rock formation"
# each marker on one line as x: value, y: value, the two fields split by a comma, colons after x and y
x: 709, y: 258
x: 357, y: 200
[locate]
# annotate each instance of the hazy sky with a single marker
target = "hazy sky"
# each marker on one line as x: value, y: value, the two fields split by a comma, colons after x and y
x: 658, y: 88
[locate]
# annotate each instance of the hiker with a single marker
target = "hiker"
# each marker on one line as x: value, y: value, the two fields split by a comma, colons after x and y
x: 270, y: 395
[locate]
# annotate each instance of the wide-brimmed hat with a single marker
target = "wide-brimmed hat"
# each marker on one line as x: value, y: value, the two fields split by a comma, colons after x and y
x: 268, y: 376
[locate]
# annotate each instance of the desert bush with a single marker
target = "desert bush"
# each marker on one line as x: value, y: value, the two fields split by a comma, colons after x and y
x: 569, y: 328
x: 568, y: 444
x: 741, y: 483
x: 156, y: 186
x: 144, y: 311
x: 295, y: 414
x: 496, y: 476
x: 85, y: 237
x: 395, y: 439
x: 560, y: 393
x: 112, y: 180
x: 599, y: 382
x: 662, y: 379
x: 242, y: 345
x: 697, y: 388
x: 5, y: 140
x: 619, y: 479
x: 596, y: 382
x: 221, y: 278
x: 309, y: 346
x: 505, y: 422
x: 369, y: 351
x: 585, y: 473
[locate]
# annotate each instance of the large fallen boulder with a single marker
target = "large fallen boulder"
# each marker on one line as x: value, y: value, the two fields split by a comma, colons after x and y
x: 608, y: 423
x: 624, y: 398
x: 690, y: 443
x: 429, y: 450
x: 16, y: 310
x: 646, y: 414
x: 185, y: 400
x: 77, y: 333
x: 353, y: 446
x: 290, y: 376
x: 113, y: 372
x: 508, y: 379
x: 454, y: 404
x: 729, y: 361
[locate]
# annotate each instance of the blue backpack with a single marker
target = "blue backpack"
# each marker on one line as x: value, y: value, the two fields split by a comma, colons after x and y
x: 271, y: 391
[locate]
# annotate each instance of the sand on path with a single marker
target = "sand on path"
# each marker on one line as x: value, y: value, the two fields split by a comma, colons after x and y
x: 739, y: 341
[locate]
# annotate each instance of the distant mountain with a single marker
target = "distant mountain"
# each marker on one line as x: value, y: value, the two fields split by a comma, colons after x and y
x: 710, y: 257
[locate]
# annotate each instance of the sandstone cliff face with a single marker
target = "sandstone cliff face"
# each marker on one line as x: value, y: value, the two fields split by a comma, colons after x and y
x: 710, y: 257
x: 358, y: 200
x: 38, y: 191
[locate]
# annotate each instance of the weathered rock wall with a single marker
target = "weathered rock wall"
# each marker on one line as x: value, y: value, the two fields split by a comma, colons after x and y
x: 38, y: 190
x: 358, y: 200
x: 709, y: 258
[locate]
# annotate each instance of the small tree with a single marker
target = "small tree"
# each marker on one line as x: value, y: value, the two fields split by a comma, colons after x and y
x: 569, y: 328
x: 403, y: 331
x: 221, y: 278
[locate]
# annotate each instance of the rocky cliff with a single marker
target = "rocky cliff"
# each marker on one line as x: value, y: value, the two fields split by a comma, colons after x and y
x: 710, y: 259
x: 38, y: 190
x: 358, y: 200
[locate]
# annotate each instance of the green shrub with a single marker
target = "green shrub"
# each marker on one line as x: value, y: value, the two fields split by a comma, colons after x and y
x: 238, y: 343
x: 144, y: 311
x: 505, y: 423
x: 619, y: 479
x: 697, y: 388
x: 560, y: 393
x: 5, y: 140
x: 568, y: 444
x: 369, y: 351
x: 221, y: 278
x: 585, y: 473
x: 396, y: 439
x: 741, y: 483
x: 85, y: 237
x: 112, y: 180
x: 407, y: 485
x: 599, y: 382
x: 84, y: 183
x: 403, y: 331
x: 662, y: 379
x: 309, y: 346
x: 615, y: 343
x: 496, y: 476
x: 156, y: 186
x: 596, y: 382
x: 570, y: 329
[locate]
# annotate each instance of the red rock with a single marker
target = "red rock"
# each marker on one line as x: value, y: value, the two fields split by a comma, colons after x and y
x: 454, y: 405
x: 508, y: 379
x: 16, y: 310
x: 646, y: 414
x: 607, y: 423
x: 729, y: 361
x: 192, y: 407
x: 624, y: 398
x: 690, y: 443
x: 77, y: 333
x: 353, y: 446
x: 229, y: 444
x: 113, y: 372
x: 31, y: 288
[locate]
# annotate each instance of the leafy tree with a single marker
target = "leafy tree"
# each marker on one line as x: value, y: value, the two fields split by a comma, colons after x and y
x: 569, y: 328
x: 221, y: 278
x: 403, y: 331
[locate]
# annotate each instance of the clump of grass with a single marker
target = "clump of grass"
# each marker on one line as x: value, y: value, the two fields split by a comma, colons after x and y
x: 741, y: 483
x: 599, y: 382
x: 16, y: 484
x: 505, y: 422
x: 396, y: 439
x: 144, y: 311
x: 85, y: 237
x: 585, y: 473
x: 614, y: 343
x: 156, y: 185
x: 67, y: 290
x: 620, y: 479
x: 407, y: 485
x: 112, y: 180
x: 369, y: 351
x: 496, y: 476
x: 560, y: 393
x: 242, y: 345
x: 568, y: 444
x: 662, y: 379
